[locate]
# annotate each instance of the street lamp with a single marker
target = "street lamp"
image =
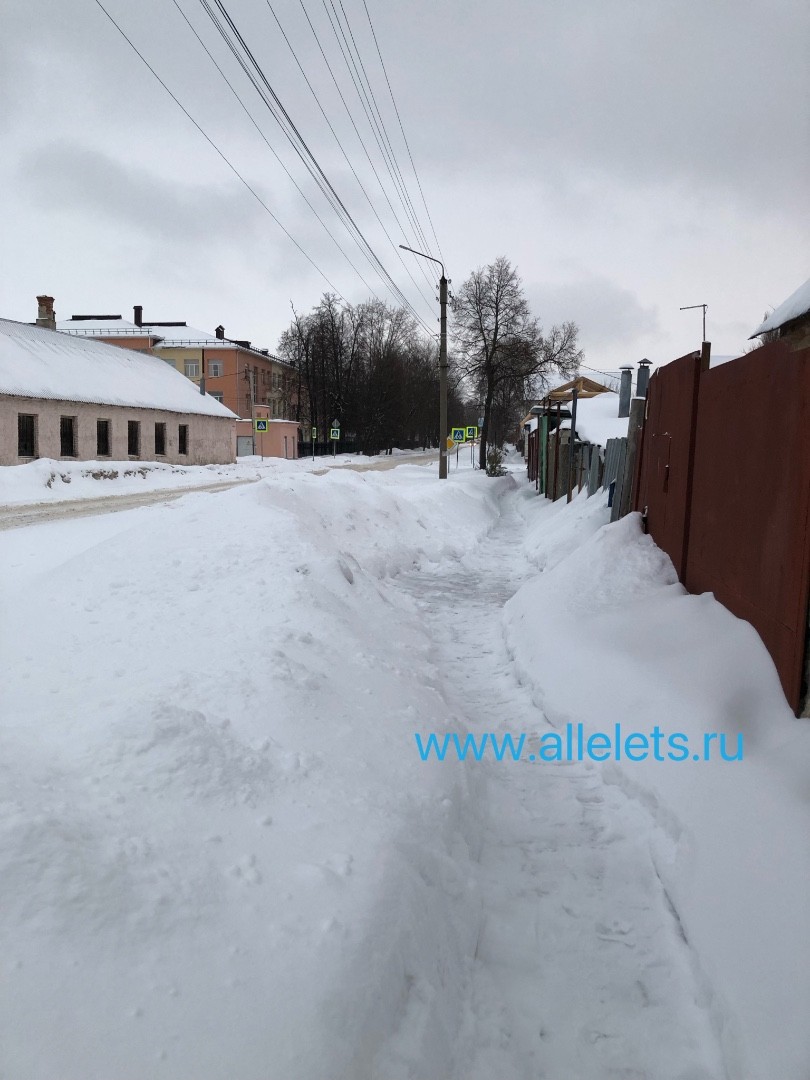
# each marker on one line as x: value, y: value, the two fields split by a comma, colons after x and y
x: 442, y: 361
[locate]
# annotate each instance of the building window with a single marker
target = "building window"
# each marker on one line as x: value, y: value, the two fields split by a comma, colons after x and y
x: 26, y: 435
x: 160, y: 440
x: 134, y: 438
x: 192, y: 369
x: 216, y: 395
x: 182, y: 439
x: 102, y: 438
x: 215, y: 368
x: 67, y: 436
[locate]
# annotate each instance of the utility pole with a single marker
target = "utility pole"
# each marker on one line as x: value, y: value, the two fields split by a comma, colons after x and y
x: 442, y: 361
x: 572, y: 444
x: 251, y: 376
x: 443, y: 377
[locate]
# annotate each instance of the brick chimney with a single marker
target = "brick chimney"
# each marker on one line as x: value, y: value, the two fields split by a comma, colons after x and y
x: 137, y: 316
x: 46, y: 316
x: 220, y: 333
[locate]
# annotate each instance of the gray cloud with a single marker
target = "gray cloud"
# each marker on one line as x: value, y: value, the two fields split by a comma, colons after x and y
x: 604, y: 311
x: 701, y: 93
x: 659, y: 146
x: 71, y: 179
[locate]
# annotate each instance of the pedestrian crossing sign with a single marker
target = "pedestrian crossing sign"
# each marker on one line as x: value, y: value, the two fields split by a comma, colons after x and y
x: 334, y: 433
x: 472, y: 432
x: 458, y: 434
x: 260, y: 425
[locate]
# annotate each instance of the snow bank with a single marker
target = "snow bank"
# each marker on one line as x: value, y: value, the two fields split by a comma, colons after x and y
x: 219, y: 855
x: 49, y: 480
x: 606, y: 635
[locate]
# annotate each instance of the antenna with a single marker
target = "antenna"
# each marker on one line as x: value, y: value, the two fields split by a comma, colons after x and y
x: 691, y: 307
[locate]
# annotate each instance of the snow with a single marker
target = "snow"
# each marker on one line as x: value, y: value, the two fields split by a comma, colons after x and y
x: 48, y: 480
x: 40, y: 363
x: 108, y: 327
x: 717, y: 360
x: 221, y: 856
x: 598, y: 419
x: 731, y: 845
x: 797, y: 304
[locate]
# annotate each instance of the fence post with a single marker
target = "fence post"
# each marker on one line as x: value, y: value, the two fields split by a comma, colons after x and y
x: 702, y: 363
x: 637, y: 407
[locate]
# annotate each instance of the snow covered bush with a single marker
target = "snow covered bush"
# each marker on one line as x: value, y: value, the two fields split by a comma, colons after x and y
x: 495, y: 462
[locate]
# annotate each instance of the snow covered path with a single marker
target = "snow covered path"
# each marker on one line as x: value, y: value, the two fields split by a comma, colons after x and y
x: 582, y: 968
x: 221, y: 855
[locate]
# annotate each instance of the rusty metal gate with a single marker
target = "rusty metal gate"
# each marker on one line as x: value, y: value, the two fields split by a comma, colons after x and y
x: 725, y: 477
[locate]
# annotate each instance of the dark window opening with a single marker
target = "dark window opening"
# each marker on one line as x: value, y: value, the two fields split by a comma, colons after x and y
x: 26, y: 435
x: 67, y: 436
x: 182, y: 438
x: 133, y: 438
x: 160, y: 439
x: 103, y: 438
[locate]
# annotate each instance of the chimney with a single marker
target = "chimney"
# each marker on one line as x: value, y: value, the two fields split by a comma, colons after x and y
x: 626, y: 389
x: 46, y: 316
x: 643, y: 378
x: 220, y: 333
x: 138, y: 315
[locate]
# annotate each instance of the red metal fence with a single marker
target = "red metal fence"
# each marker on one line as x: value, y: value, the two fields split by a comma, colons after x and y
x: 724, y: 475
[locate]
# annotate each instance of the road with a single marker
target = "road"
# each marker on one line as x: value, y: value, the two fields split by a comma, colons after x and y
x: 15, y: 517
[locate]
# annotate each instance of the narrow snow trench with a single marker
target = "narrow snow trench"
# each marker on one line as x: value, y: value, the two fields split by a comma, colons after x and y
x: 581, y: 970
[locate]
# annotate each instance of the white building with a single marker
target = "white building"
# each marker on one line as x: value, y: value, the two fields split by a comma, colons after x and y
x: 67, y: 397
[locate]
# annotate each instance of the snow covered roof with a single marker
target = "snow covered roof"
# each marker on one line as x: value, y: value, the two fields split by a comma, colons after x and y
x: 796, y: 305
x: 106, y: 327
x: 598, y: 419
x: 175, y: 336
x: 40, y: 363
x: 190, y: 335
x: 169, y: 335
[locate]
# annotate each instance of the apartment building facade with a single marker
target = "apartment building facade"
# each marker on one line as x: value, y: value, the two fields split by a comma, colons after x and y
x: 232, y: 371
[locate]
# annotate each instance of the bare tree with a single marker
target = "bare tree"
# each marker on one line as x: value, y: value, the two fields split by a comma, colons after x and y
x: 502, y: 352
x: 368, y: 366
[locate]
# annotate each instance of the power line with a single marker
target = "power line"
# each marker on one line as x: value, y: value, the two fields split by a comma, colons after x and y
x: 301, y: 147
x: 402, y: 129
x: 387, y: 139
x: 342, y: 149
x: 354, y: 125
x: 270, y: 147
x: 214, y: 146
x: 354, y: 75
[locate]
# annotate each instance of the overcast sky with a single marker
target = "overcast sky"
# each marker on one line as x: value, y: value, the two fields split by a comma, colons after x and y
x: 629, y: 158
